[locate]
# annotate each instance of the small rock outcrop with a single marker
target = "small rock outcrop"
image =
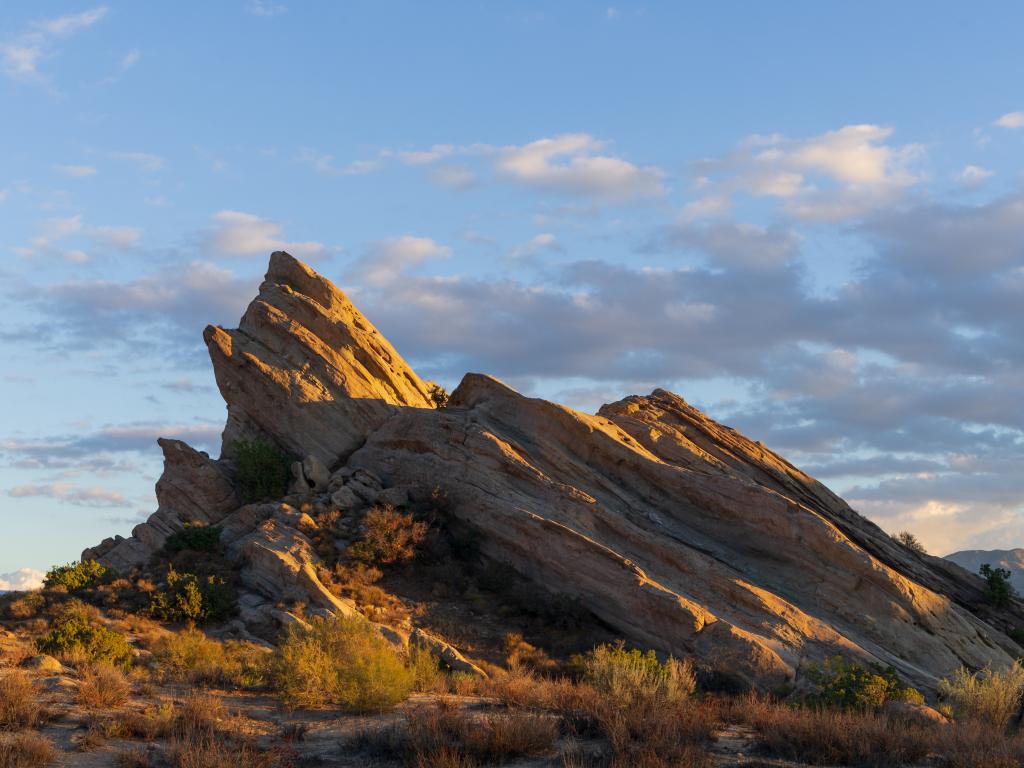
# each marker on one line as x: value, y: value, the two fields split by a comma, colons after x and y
x: 675, y: 531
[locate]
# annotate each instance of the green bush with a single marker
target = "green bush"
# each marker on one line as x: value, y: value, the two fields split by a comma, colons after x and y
x: 262, y: 470
x: 997, y: 585
x: 76, y: 575
x: 190, y: 656
x: 188, y: 597
x: 630, y: 675
x: 852, y: 686
x: 73, y: 633
x: 911, y: 542
x: 342, y: 662
x: 438, y: 396
x: 197, y: 538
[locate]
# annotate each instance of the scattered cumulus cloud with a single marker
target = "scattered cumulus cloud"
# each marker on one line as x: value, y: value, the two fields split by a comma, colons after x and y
x: 837, y: 175
x: 1010, y: 120
x: 235, y: 233
x: 21, y: 580
x: 385, y: 261
x: 973, y: 175
x: 265, y: 8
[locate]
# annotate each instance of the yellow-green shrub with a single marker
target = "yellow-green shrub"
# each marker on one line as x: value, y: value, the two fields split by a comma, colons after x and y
x: 986, y: 696
x: 74, y: 633
x: 342, y: 662
x: 191, y: 656
x: 632, y: 674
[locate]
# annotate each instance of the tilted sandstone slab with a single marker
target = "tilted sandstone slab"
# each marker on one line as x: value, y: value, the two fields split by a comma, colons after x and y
x: 306, y: 369
x: 676, y: 531
x: 674, y: 542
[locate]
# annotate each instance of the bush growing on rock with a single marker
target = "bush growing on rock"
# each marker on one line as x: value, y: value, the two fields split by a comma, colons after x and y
x: 188, y: 597
x: 197, y: 538
x: 852, y: 686
x: 262, y: 470
x: 341, y: 662
x: 75, y: 634
x: 76, y: 575
x: 911, y: 542
x: 388, y: 536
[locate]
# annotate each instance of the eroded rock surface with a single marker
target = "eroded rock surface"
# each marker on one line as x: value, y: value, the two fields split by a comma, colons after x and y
x: 676, y: 531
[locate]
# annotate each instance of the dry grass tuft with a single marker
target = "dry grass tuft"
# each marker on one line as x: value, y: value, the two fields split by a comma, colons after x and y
x: 190, y: 656
x: 26, y: 750
x: 19, y: 707
x: 103, y: 686
x: 986, y: 696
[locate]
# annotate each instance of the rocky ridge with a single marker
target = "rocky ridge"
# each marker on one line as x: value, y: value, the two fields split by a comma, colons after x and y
x: 676, y: 532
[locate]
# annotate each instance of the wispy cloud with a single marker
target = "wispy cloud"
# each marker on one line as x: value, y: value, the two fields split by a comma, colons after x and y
x: 973, y: 175
x: 70, y: 494
x: 21, y: 56
x: 144, y: 161
x: 75, y: 171
x: 265, y: 8
x: 385, y: 261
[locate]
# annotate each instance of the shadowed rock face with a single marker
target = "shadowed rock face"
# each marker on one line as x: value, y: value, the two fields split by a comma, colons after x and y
x: 678, y: 532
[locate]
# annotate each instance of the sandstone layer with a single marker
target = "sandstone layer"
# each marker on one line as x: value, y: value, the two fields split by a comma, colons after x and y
x: 675, y: 531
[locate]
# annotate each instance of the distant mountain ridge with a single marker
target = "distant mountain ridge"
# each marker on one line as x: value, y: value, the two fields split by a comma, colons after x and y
x: 1010, y: 559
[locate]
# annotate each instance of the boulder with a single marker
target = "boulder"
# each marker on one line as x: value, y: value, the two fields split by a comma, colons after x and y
x: 316, y: 473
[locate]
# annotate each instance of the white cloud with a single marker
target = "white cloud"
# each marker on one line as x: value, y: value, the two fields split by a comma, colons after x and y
x: 611, y: 13
x: 122, y: 238
x: 244, y: 234
x: 325, y: 164
x: 1010, y: 120
x: 20, y: 57
x: 266, y: 9
x: 21, y: 580
x: 545, y: 241
x: 130, y: 59
x: 453, y: 176
x: 973, y: 175
x: 144, y: 161
x: 570, y: 163
x: 70, y: 494
x: 75, y: 171
x: 431, y: 155
x: 836, y: 175
x: 386, y: 260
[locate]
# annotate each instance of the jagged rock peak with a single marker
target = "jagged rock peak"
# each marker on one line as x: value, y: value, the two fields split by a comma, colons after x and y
x: 306, y: 369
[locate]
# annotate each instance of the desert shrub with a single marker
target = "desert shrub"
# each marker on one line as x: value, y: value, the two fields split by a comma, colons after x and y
x: 74, y: 633
x: 388, y: 536
x: 443, y: 735
x: 628, y: 675
x: 23, y: 606
x: 198, y: 538
x: 974, y: 744
x: 438, y: 396
x: 831, y: 737
x: 156, y: 721
x: 19, y: 707
x: 188, y: 597
x: 103, y: 685
x: 26, y: 750
x: 190, y: 656
x: 76, y: 575
x: 850, y: 685
x: 426, y: 670
x: 911, y: 542
x: 342, y: 661
x: 986, y: 696
x: 997, y: 585
x: 519, y: 653
x: 263, y: 471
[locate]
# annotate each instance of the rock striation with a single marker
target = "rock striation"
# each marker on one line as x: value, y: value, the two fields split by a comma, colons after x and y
x: 677, y: 532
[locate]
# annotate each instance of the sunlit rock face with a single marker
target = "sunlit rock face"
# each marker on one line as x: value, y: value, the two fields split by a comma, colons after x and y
x: 675, y: 531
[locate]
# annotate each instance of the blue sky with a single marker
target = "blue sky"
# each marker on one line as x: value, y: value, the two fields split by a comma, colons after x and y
x: 806, y: 218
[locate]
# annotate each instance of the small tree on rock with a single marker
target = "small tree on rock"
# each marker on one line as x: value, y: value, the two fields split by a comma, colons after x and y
x: 911, y: 542
x: 997, y: 585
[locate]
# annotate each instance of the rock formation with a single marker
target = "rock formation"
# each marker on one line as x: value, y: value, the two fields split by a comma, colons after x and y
x: 1010, y: 559
x: 678, y: 533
